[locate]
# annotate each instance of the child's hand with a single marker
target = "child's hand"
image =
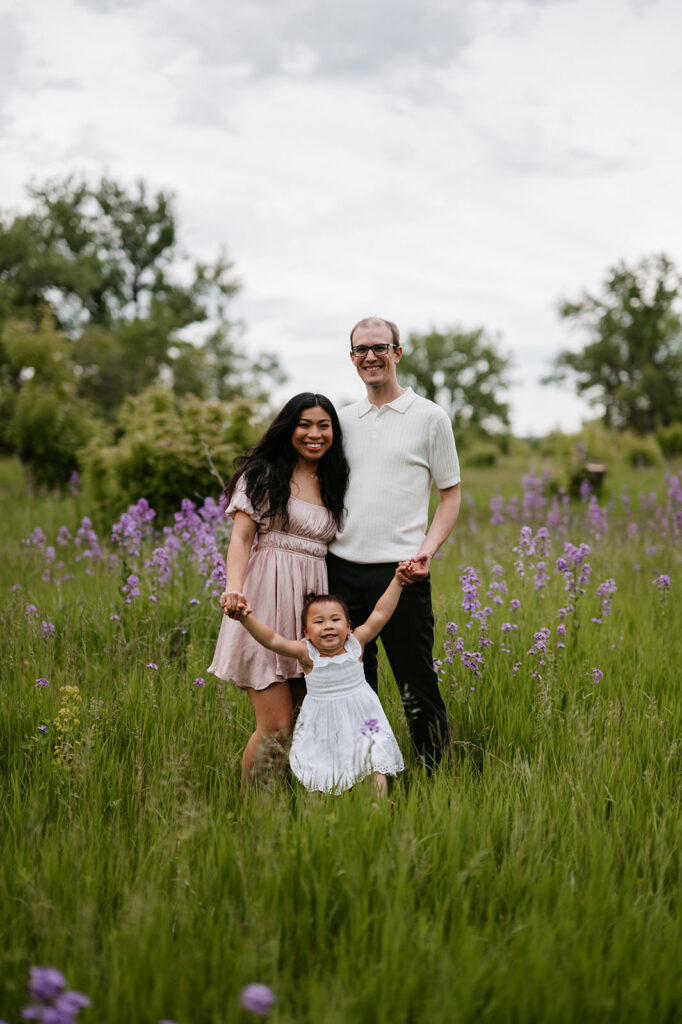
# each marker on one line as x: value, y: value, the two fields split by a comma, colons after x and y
x: 403, y: 573
x: 240, y: 615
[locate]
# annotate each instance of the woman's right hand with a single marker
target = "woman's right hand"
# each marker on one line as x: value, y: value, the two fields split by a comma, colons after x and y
x: 233, y: 603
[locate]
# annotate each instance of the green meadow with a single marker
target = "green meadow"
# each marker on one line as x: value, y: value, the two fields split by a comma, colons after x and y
x: 535, y: 877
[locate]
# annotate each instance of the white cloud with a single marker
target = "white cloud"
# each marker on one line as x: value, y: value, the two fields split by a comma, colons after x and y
x: 436, y: 163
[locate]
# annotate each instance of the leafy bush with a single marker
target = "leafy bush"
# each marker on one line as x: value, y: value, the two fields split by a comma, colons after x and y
x: 168, y: 449
x: 49, y: 431
x: 670, y: 439
x: 641, y: 450
x: 480, y: 454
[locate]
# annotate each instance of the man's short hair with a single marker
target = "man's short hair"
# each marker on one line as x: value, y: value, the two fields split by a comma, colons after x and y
x: 377, y: 321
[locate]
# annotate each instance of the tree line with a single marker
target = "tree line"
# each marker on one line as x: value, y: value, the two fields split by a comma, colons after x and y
x: 110, y: 334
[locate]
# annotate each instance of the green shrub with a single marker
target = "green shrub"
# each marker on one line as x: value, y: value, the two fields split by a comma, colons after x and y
x: 670, y: 439
x: 168, y: 449
x: 480, y: 454
x: 641, y: 450
x: 49, y: 430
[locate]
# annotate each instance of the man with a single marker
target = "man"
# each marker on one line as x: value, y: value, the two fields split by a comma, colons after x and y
x: 396, y: 443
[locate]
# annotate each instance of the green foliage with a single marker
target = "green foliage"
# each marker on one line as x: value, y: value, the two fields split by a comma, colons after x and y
x: 167, y: 447
x: 461, y: 370
x: 480, y: 453
x: 638, y: 450
x: 46, y: 422
x: 104, y: 264
x: 534, y: 878
x: 670, y: 439
x: 632, y: 366
x: 49, y: 432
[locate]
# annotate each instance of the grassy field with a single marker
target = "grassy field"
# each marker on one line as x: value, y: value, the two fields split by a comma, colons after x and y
x: 536, y: 877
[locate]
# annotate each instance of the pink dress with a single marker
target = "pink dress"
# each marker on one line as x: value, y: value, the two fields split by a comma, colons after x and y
x: 282, y: 569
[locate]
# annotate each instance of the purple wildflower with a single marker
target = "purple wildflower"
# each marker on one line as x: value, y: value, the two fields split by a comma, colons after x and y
x: 370, y: 727
x: 259, y: 999
x: 199, y: 681
x: 131, y: 588
x: 45, y: 983
x: 597, y: 675
x: 151, y: 664
x: 41, y: 682
x: 662, y: 582
x: 42, y: 728
x: 86, y: 541
x: 46, y: 629
x: 63, y: 536
x: 540, y: 641
x: 496, y: 509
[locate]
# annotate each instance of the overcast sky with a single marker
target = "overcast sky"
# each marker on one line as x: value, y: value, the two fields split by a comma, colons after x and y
x: 436, y: 162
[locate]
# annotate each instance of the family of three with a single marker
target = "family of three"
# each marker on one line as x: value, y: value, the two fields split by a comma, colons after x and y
x: 329, y: 550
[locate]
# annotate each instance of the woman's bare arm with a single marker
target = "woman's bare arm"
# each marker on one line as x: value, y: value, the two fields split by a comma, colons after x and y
x: 239, y: 549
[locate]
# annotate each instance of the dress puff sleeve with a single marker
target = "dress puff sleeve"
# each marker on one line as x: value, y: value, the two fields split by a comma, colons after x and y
x: 241, y: 503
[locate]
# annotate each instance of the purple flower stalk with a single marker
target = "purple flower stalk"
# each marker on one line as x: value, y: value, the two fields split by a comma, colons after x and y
x: 45, y: 983
x: 131, y: 588
x: 259, y: 999
x: 51, y: 1003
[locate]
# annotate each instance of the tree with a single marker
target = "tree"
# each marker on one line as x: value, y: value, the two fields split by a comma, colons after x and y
x: 632, y: 366
x: 462, y: 371
x: 48, y: 422
x: 101, y: 265
x: 106, y: 262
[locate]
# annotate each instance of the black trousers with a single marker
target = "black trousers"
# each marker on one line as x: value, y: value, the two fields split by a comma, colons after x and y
x: 408, y: 641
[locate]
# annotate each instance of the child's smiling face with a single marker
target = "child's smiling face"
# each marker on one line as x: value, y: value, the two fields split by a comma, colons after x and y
x: 327, y: 627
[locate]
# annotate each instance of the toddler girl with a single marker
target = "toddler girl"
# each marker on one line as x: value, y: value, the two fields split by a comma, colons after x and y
x: 342, y: 734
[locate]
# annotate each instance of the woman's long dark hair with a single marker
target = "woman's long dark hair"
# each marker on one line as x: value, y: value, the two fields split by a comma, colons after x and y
x: 267, y: 468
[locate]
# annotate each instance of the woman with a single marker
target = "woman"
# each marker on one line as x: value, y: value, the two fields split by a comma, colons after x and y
x: 287, y: 495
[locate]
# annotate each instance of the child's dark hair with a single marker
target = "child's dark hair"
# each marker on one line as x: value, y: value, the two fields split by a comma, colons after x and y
x: 310, y: 599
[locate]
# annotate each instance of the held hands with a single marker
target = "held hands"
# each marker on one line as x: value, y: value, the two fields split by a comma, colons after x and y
x: 413, y: 569
x: 234, y: 603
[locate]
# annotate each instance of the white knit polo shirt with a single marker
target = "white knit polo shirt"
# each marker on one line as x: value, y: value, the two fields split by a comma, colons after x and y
x: 395, y: 453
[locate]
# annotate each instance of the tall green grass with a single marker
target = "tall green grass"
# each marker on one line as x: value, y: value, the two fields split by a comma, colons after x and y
x: 535, y: 877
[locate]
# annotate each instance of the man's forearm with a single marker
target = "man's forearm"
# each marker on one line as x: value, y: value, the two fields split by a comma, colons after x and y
x: 443, y: 522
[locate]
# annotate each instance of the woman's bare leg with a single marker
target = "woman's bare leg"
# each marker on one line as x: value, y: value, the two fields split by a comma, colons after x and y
x: 273, y: 708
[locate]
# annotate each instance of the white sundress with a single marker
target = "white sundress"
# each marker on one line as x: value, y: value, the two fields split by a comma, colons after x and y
x: 342, y: 733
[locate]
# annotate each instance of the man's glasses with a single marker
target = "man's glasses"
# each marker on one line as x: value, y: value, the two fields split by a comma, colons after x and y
x: 360, y: 351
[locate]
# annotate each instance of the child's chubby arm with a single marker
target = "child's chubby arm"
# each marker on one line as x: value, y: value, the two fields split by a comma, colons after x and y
x: 267, y: 637
x: 383, y: 609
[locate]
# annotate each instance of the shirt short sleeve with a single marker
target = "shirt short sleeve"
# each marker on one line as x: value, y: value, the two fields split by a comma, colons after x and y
x: 240, y: 503
x: 444, y: 461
